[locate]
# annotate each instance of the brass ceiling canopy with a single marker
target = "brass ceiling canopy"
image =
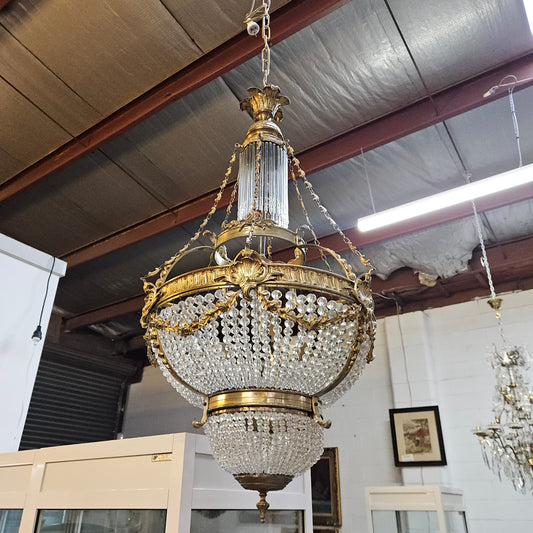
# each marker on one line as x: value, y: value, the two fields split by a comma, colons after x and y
x: 261, y: 345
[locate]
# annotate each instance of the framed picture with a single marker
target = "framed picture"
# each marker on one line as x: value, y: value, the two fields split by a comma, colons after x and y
x: 417, y: 436
x: 325, y: 490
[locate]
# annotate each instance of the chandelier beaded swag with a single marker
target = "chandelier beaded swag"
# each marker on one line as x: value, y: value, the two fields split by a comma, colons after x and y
x: 260, y: 344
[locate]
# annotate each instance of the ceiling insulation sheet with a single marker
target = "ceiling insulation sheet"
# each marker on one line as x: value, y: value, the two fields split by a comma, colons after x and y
x: 109, y: 51
x: 486, y: 136
x: 453, y: 40
x: 21, y: 69
x: 210, y: 22
x: 183, y: 150
x: 26, y: 135
x: 116, y: 276
x: 443, y: 251
x: 346, y: 69
x: 84, y: 202
x: 412, y: 167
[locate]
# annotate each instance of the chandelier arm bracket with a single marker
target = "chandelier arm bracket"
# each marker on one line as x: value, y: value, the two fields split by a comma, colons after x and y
x: 317, y: 415
x: 198, y: 424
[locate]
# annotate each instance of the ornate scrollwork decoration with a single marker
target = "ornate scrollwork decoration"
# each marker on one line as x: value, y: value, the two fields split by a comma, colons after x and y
x: 248, y: 271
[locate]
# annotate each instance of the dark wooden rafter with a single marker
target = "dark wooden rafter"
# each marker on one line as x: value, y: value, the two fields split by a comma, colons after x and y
x: 510, y: 265
x: 415, y: 117
x: 285, y: 21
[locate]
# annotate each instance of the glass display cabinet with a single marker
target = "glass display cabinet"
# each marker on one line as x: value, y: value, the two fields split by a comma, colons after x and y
x: 415, y: 509
x: 160, y: 484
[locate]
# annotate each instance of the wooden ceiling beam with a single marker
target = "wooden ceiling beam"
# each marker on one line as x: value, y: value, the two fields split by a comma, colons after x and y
x: 510, y: 264
x: 103, y: 314
x: 285, y: 21
x: 415, y: 117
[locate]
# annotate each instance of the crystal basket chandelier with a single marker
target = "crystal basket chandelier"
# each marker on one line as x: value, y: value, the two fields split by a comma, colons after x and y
x: 261, y: 345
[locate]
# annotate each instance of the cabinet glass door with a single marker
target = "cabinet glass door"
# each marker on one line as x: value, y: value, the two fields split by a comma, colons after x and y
x: 233, y: 521
x: 101, y: 521
x: 10, y: 520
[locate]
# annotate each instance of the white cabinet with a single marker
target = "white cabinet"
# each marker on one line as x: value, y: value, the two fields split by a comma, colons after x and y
x: 165, y: 483
x: 415, y: 509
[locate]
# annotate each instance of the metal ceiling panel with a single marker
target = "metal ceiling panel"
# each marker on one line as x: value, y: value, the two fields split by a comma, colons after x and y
x: 510, y: 222
x: 342, y: 71
x: 26, y: 135
x: 76, y: 206
x: 108, y: 52
x: 486, y: 138
x: 412, y: 167
x: 21, y: 69
x: 210, y: 23
x: 456, y: 39
x: 183, y: 150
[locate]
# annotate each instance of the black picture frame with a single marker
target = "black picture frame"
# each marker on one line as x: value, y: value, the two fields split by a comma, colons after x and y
x: 417, y: 436
x: 325, y: 490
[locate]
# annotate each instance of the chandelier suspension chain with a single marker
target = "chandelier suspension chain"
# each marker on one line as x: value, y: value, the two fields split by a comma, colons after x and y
x: 294, y: 161
x: 265, y: 32
x: 230, y: 205
x: 306, y: 215
x: 485, y: 262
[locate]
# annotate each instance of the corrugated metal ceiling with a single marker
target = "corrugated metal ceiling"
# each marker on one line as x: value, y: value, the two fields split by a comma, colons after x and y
x: 68, y: 64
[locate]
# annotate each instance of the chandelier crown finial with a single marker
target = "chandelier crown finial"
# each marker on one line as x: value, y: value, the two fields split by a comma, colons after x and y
x: 265, y: 106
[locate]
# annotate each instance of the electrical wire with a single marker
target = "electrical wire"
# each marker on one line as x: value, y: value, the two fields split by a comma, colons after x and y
x: 368, y: 182
x: 46, y: 292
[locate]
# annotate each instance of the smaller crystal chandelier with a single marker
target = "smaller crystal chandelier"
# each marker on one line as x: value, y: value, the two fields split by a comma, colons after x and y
x: 261, y: 344
x: 507, y: 442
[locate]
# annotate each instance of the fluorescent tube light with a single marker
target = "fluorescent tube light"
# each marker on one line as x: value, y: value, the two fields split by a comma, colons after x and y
x: 465, y: 193
x: 528, y: 6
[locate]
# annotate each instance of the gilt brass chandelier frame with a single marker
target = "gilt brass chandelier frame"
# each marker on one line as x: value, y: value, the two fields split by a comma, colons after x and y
x: 251, y: 271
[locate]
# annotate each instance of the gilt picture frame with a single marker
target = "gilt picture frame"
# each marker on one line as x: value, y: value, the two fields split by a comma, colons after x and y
x: 417, y: 436
x: 325, y: 490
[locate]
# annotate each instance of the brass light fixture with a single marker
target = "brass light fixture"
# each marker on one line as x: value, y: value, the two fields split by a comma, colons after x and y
x: 262, y: 345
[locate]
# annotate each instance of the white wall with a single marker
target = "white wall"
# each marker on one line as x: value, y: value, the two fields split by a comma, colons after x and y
x: 360, y: 429
x: 24, y: 276
x: 445, y: 363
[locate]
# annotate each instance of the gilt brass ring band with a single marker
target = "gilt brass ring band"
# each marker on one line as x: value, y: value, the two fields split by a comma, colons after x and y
x: 259, y: 398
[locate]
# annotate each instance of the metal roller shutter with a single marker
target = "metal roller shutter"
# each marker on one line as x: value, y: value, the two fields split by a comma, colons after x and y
x: 76, y: 398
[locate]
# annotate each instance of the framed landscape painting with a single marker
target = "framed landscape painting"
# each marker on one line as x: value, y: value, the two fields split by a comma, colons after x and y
x: 417, y: 436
